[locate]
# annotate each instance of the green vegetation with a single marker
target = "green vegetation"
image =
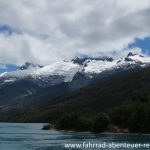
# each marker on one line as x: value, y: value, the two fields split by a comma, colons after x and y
x: 120, y: 104
x: 133, y: 117
x: 101, y: 122
x: 74, y: 122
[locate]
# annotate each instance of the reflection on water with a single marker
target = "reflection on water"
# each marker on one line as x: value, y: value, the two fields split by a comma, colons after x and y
x: 31, y: 137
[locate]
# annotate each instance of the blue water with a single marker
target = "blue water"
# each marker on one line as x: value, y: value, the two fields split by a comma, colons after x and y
x: 30, y: 137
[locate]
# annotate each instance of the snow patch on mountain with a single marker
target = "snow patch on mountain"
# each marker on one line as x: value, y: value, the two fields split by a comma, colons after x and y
x: 18, y: 73
x: 63, y: 68
x: 140, y: 58
x: 94, y: 66
x: 8, y: 81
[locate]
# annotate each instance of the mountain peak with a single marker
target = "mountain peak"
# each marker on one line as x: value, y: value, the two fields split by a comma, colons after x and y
x: 29, y: 65
x: 81, y: 60
x: 131, y: 54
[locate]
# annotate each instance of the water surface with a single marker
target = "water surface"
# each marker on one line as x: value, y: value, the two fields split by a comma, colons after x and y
x: 19, y: 136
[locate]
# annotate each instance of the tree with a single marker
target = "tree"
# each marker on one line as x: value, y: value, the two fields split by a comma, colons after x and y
x: 67, y: 122
x: 101, y: 123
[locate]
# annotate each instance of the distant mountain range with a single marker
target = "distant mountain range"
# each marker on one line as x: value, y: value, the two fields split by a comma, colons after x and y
x: 32, y: 85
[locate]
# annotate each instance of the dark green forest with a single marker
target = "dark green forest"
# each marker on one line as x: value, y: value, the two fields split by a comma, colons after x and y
x: 120, y: 104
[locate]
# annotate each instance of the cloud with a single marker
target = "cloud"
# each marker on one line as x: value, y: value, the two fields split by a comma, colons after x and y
x: 47, y: 31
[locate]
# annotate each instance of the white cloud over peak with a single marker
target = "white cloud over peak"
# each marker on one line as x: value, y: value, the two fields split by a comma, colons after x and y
x: 44, y: 31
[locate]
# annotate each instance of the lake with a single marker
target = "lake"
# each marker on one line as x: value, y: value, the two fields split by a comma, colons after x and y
x: 20, y: 136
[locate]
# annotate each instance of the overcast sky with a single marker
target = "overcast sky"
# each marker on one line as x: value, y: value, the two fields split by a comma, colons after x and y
x: 45, y: 31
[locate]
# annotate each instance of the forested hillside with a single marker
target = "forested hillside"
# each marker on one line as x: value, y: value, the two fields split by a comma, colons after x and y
x: 118, y: 104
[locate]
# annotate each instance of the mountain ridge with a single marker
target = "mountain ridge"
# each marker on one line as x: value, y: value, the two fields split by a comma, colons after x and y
x: 50, y: 82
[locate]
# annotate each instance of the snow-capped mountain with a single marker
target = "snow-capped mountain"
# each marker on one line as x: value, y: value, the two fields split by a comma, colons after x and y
x: 93, y: 66
x: 47, y: 75
x: 32, y: 84
x: 64, y: 71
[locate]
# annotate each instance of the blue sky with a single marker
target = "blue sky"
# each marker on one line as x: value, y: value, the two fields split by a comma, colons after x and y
x: 144, y: 44
x: 8, y: 68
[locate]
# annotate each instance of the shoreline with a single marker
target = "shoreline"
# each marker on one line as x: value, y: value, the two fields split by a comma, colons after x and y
x: 105, y: 132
